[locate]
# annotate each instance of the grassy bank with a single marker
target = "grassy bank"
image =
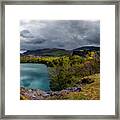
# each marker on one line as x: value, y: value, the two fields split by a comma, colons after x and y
x: 89, y: 91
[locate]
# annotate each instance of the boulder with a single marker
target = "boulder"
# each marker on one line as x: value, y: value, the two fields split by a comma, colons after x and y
x: 73, y: 89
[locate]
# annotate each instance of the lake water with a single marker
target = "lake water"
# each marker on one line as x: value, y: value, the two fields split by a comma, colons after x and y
x: 34, y: 76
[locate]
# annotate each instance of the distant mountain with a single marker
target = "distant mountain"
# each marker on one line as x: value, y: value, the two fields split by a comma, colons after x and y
x: 47, y: 52
x: 90, y: 48
x: 83, y: 51
x: 61, y: 52
x: 22, y: 51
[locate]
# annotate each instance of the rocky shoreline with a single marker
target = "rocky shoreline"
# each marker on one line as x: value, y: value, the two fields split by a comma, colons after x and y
x: 37, y: 94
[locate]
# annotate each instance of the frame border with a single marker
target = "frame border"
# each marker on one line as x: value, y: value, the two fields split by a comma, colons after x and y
x: 60, y: 2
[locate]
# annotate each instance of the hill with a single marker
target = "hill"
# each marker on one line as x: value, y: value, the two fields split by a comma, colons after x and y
x: 90, y: 48
x: 48, y: 52
x: 82, y: 51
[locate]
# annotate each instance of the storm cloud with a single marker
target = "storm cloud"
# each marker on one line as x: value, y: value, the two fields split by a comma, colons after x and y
x: 65, y: 34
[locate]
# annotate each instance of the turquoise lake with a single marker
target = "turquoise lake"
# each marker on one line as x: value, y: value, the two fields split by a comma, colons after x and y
x: 34, y: 76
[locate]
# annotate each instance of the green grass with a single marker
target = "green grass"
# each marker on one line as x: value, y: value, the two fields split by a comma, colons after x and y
x: 89, y: 91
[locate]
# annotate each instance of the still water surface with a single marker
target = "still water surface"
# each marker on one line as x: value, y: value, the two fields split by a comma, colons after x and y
x: 34, y: 76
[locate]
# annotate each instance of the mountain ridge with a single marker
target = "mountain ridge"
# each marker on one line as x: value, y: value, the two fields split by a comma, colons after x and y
x: 59, y: 51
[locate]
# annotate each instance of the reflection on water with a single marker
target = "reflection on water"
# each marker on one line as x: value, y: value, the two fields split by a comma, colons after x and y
x: 34, y: 76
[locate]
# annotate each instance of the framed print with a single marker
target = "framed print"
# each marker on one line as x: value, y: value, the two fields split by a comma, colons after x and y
x: 60, y: 60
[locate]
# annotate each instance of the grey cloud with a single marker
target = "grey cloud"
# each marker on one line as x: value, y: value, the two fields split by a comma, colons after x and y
x: 36, y: 41
x: 67, y: 34
x: 26, y: 34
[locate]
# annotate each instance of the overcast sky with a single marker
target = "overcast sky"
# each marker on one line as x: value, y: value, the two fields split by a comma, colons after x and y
x: 65, y: 34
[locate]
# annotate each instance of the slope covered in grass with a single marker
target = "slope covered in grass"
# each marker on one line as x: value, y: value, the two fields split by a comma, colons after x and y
x: 89, y: 91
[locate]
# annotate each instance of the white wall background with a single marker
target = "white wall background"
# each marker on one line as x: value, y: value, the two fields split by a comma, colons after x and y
x: 0, y: 34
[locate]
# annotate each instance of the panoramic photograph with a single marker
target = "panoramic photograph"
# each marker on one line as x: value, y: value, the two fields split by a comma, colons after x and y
x: 60, y: 60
